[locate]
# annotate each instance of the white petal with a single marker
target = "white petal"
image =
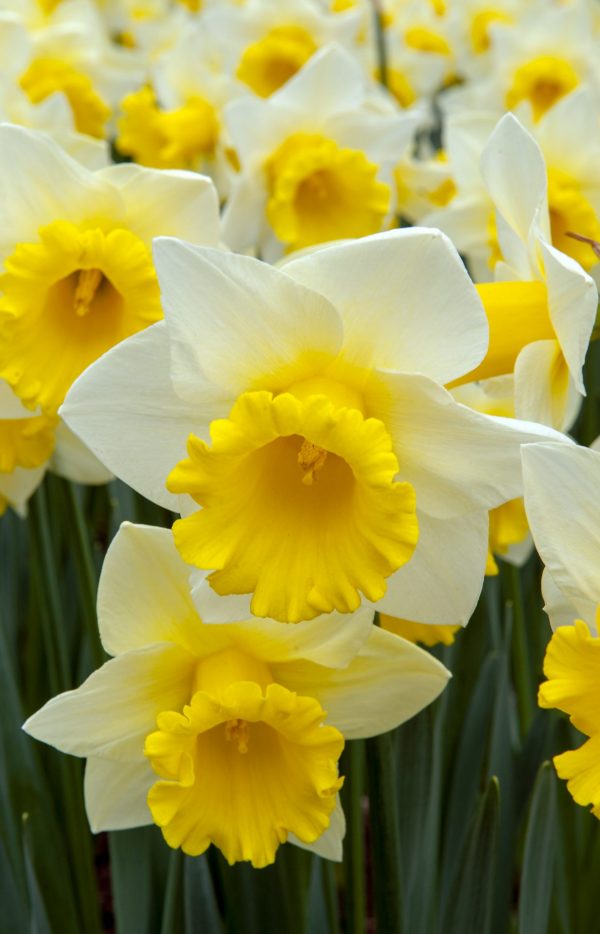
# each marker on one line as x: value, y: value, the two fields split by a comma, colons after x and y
x: 243, y: 215
x: 15, y: 44
x: 161, y: 202
x: 73, y: 460
x: 456, y: 458
x: 332, y: 81
x: 143, y: 594
x: 236, y: 319
x: 562, y: 611
x: 406, y: 301
x: 124, y: 408
x: 563, y: 508
x: 387, y: 683
x: 514, y: 171
x: 519, y: 553
x: 256, y: 128
x: 214, y: 608
x: 573, y: 304
x: 113, y: 711
x: 331, y: 640
x: 16, y: 487
x: 115, y: 794
x: 463, y: 221
x: 40, y: 183
x: 93, y: 153
x: 382, y: 138
x: 544, y: 389
x: 442, y: 581
x: 329, y: 845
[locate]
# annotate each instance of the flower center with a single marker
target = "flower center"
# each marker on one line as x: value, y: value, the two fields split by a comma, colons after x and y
x: 319, y: 191
x: 301, y: 548
x: 88, y: 283
x: 243, y: 770
x: 69, y: 298
x: 238, y: 731
x: 267, y: 64
x: 542, y: 81
x: 311, y: 458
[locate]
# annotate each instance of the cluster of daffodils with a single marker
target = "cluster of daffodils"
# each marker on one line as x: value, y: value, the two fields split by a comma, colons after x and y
x: 212, y: 289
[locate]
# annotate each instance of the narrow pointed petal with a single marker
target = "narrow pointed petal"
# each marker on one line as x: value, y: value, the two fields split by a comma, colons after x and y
x: 396, y: 293
x: 115, y: 793
x: 387, y: 683
x: 561, y: 499
x: 126, y: 411
x: 235, y: 319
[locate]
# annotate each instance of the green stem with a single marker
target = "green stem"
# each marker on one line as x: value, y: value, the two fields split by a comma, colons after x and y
x: 520, y: 651
x: 381, y: 773
x: 45, y: 579
x: 382, y: 57
x: 330, y: 890
x: 51, y: 613
x: 86, y: 570
x: 173, y: 905
x: 354, y: 849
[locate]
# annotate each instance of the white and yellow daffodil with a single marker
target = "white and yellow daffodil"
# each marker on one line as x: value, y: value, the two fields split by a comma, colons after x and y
x: 550, y: 52
x: 572, y: 154
x: 542, y: 306
x: 175, y: 120
x: 73, y: 58
x: 316, y: 160
x: 561, y: 496
x: 225, y: 734
x: 412, y: 75
x: 53, y: 116
x: 571, y: 157
x: 422, y: 28
x: 77, y: 268
x: 265, y: 44
x: 472, y: 29
x: 331, y: 463
x: 561, y: 300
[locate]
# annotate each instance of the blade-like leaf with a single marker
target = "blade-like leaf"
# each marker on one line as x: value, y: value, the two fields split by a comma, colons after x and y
x: 539, y: 856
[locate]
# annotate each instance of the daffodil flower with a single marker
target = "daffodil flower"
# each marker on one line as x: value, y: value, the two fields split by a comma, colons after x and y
x: 316, y: 160
x: 542, y: 306
x: 330, y: 463
x: 225, y: 734
x: 538, y: 59
x: 265, y: 44
x: 77, y: 268
x: 561, y: 496
x: 67, y: 51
